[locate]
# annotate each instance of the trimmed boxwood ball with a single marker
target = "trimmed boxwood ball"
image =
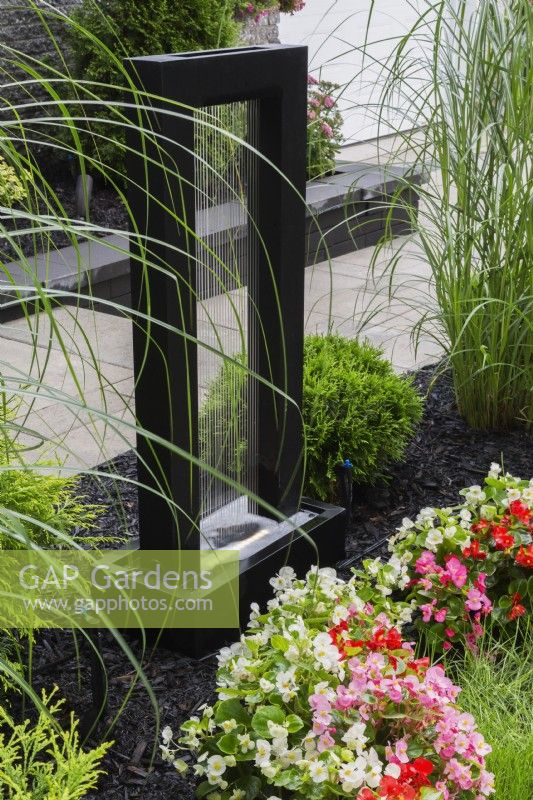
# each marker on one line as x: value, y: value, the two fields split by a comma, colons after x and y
x: 354, y: 407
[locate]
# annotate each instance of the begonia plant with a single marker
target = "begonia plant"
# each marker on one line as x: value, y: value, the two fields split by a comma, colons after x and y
x: 466, y: 564
x: 322, y: 699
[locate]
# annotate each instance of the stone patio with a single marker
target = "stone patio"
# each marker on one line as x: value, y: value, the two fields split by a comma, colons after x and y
x: 341, y: 296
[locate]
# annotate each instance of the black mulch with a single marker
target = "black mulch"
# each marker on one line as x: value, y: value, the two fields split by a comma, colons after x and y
x: 444, y: 455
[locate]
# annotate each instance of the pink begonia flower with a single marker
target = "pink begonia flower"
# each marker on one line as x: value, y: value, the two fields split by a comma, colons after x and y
x: 441, y: 787
x: 327, y: 130
x: 314, y: 102
x: 459, y: 773
x: 425, y: 583
x: 456, y: 571
x: 319, y: 703
x: 311, y: 80
x: 325, y: 742
x: 400, y: 751
x: 466, y: 722
x: 311, y: 115
x: 471, y: 643
x: 440, y: 614
x: 427, y: 610
x: 479, y: 744
x: 447, y: 646
x: 329, y: 102
x: 426, y: 563
x: 481, y: 582
x: 477, y: 601
x: 449, y: 632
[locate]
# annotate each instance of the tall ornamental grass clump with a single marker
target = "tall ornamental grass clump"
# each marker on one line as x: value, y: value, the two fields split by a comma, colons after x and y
x: 469, y: 98
x: 497, y: 687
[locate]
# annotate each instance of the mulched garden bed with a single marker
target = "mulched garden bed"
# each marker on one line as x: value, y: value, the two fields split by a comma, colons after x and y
x: 106, y: 211
x: 444, y: 455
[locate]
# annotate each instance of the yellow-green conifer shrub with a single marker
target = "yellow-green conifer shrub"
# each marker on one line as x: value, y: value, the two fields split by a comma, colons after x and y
x: 42, y: 761
x: 11, y: 187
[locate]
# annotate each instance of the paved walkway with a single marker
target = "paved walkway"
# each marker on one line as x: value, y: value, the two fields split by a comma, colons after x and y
x: 340, y: 296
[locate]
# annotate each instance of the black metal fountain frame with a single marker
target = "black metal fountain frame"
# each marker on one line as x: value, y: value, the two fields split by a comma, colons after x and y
x: 275, y: 77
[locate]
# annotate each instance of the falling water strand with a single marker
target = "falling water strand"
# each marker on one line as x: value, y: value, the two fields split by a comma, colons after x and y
x: 226, y: 269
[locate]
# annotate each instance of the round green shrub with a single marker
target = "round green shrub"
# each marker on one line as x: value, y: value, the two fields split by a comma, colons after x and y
x: 354, y: 407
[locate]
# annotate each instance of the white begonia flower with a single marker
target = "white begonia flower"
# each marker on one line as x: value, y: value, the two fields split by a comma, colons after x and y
x: 355, y: 737
x: 407, y: 524
x: 465, y: 514
x: 227, y: 653
x: 340, y: 614
x: 325, y: 652
x: 263, y: 751
x: 527, y: 495
x: 373, y: 567
x: 290, y: 757
x: 403, y: 581
x: 273, y: 797
x: 383, y: 590
x: 513, y: 494
x: 318, y: 771
x: 286, y: 684
x: 406, y: 615
x: 266, y: 685
x: 228, y: 725
x: 279, y: 745
x: 433, y: 539
x: 450, y: 532
x: 246, y: 742
x: 292, y: 653
x: 373, y: 768
x: 269, y: 771
x: 166, y: 753
x: 475, y: 495
x: 238, y: 794
x: 325, y: 690
x: 494, y: 470
x: 276, y: 731
x: 167, y: 734
x: 393, y: 770
x: 426, y: 514
x: 199, y: 770
x: 351, y: 777
x: 230, y: 760
x: 216, y: 766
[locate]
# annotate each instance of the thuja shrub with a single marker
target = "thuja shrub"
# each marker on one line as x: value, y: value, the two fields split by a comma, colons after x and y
x: 107, y: 31
x: 43, y: 761
x: 354, y: 407
x: 466, y: 565
x: 11, y: 187
x: 37, y: 504
x: 322, y: 698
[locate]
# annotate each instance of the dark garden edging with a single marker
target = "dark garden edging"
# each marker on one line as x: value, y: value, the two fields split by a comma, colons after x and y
x: 346, y: 212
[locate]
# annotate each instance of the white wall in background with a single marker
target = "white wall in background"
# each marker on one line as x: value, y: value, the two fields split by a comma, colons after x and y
x: 335, y: 31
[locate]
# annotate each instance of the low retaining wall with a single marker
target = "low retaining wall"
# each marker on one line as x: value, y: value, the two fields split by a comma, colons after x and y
x: 346, y: 212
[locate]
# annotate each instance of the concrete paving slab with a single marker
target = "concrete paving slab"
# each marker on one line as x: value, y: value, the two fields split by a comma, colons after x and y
x: 340, y: 295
